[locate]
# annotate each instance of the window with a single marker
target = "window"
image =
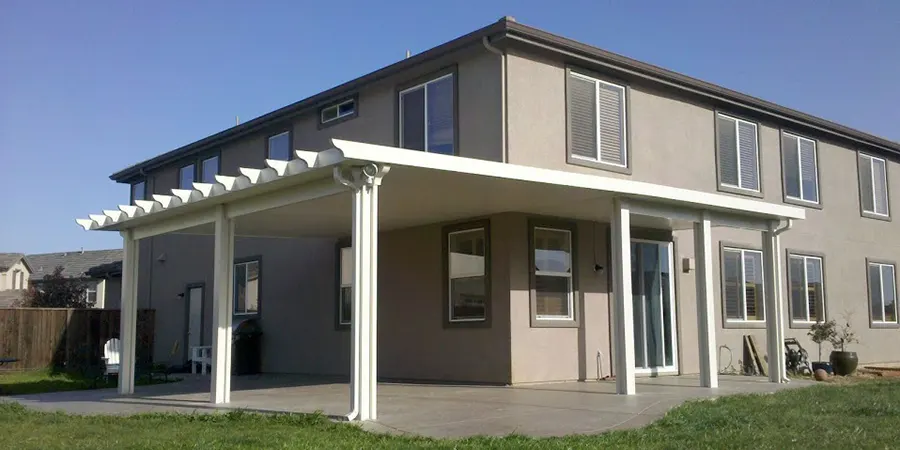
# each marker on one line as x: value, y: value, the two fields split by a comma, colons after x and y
x: 209, y: 168
x: 346, y: 108
x: 883, y: 292
x: 596, y: 115
x: 738, y: 154
x: 246, y: 287
x: 138, y: 191
x: 345, y: 301
x: 427, y: 116
x: 807, y: 288
x: 186, y: 177
x: 91, y: 296
x: 873, y: 185
x: 554, y: 298
x: 467, y: 263
x: 742, y: 281
x: 801, y: 176
x: 280, y: 146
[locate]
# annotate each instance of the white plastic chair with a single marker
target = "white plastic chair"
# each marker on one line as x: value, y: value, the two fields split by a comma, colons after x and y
x: 201, y: 355
x: 111, y: 351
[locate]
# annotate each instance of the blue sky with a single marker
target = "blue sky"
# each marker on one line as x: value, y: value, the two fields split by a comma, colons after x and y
x: 88, y: 88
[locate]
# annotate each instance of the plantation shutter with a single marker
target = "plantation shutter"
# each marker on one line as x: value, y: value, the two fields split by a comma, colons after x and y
x: 728, y: 159
x: 791, y: 166
x: 865, y: 183
x: 611, y: 100
x: 808, y: 170
x: 753, y: 289
x: 881, y: 193
x: 732, y: 273
x: 583, y: 117
x: 748, y: 155
x: 798, y: 288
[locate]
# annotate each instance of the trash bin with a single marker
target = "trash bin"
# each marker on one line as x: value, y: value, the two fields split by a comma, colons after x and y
x: 246, y: 340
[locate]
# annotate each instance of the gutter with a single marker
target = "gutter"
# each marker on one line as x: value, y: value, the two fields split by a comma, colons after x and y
x: 504, y: 104
x: 776, y: 233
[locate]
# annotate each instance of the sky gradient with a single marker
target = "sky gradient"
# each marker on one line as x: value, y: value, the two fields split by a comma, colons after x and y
x: 89, y: 88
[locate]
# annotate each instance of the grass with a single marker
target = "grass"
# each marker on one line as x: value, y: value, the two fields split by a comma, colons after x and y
x: 859, y: 415
x: 40, y: 381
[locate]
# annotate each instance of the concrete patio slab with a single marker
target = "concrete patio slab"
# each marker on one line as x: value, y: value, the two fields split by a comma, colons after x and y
x: 424, y: 409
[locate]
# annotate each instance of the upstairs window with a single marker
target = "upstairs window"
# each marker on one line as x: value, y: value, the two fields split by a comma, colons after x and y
x: 427, y: 116
x: 738, y: 154
x: 807, y: 288
x: 873, y: 186
x: 341, y: 110
x: 186, y: 177
x: 596, y: 116
x: 209, y: 168
x: 883, y: 293
x: 801, y: 175
x: 138, y: 191
x: 280, y: 147
x: 742, y: 282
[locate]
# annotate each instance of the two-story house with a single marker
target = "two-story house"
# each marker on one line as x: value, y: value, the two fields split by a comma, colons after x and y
x: 513, y: 207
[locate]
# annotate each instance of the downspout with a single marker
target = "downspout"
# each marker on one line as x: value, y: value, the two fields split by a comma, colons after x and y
x: 503, y: 101
x: 776, y: 233
x: 355, y: 376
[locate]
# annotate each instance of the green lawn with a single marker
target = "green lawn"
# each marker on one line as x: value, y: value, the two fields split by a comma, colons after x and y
x: 39, y: 381
x: 858, y: 415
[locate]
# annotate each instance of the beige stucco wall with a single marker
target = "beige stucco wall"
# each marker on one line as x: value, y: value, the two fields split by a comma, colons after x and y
x: 672, y: 142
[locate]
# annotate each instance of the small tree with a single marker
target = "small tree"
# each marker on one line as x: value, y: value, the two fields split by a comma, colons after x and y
x: 58, y: 291
x: 821, y: 332
x: 843, y: 335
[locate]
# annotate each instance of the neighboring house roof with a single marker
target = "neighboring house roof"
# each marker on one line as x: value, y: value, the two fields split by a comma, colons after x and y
x: 113, y: 269
x: 500, y: 33
x: 10, y: 298
x: 75, y: 264
x: 8, y: 260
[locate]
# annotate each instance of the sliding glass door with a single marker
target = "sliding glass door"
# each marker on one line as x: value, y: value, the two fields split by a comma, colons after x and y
x: 652, y: 282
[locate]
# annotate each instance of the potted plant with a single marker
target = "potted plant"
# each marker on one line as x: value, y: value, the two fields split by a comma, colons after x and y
x: 843, y: 362
x: 821, y: 332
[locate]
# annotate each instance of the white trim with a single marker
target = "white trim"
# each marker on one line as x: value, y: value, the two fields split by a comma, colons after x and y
x: 568, y: 275
x: 743, y: 298
x: 337, y: 111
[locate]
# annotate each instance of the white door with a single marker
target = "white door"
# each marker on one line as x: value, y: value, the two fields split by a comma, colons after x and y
x: 195, y: 316
x: 653, y: 287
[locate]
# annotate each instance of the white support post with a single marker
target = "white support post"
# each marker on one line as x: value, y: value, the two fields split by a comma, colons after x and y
x: 706, y: 330
x: 128, y: 318
x: 223, y: 267
x: 623, y: 314
x: 773, y: 301
x: 364, y: 344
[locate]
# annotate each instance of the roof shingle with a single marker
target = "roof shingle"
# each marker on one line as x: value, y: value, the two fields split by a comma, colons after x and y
x: 75, y: 264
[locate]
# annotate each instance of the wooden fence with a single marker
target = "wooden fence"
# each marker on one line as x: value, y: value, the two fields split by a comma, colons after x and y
x: 66, y: 338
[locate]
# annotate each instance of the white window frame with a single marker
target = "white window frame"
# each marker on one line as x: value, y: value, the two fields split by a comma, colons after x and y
x: 234, y: 296
x: 597, y: 82
x: 87, y: 294
x: 269, y: 145
x: 450, y: 275
x: 342, y: 285
x: 337, y: 111
x: 799, y: 139
x: 887, y: 205
x: 424, y: 86
x: 193, y: 167
x: 762, y: 292
x: 571, y: 293
x: 737, y: 148
x: 805, y: 280
x: 881, y: 286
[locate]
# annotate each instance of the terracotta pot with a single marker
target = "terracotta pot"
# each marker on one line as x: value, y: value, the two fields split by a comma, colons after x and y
x: 844, y: 363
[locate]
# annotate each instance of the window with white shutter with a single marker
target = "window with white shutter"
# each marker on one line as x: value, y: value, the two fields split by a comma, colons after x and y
x: 738, y: 152
x: 801, y: 176
x: 873, y: 185
x: 597, y: 123
x: 742, y: 285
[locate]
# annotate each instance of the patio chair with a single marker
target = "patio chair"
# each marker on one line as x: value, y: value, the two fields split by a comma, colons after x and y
x: 111, y: 351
